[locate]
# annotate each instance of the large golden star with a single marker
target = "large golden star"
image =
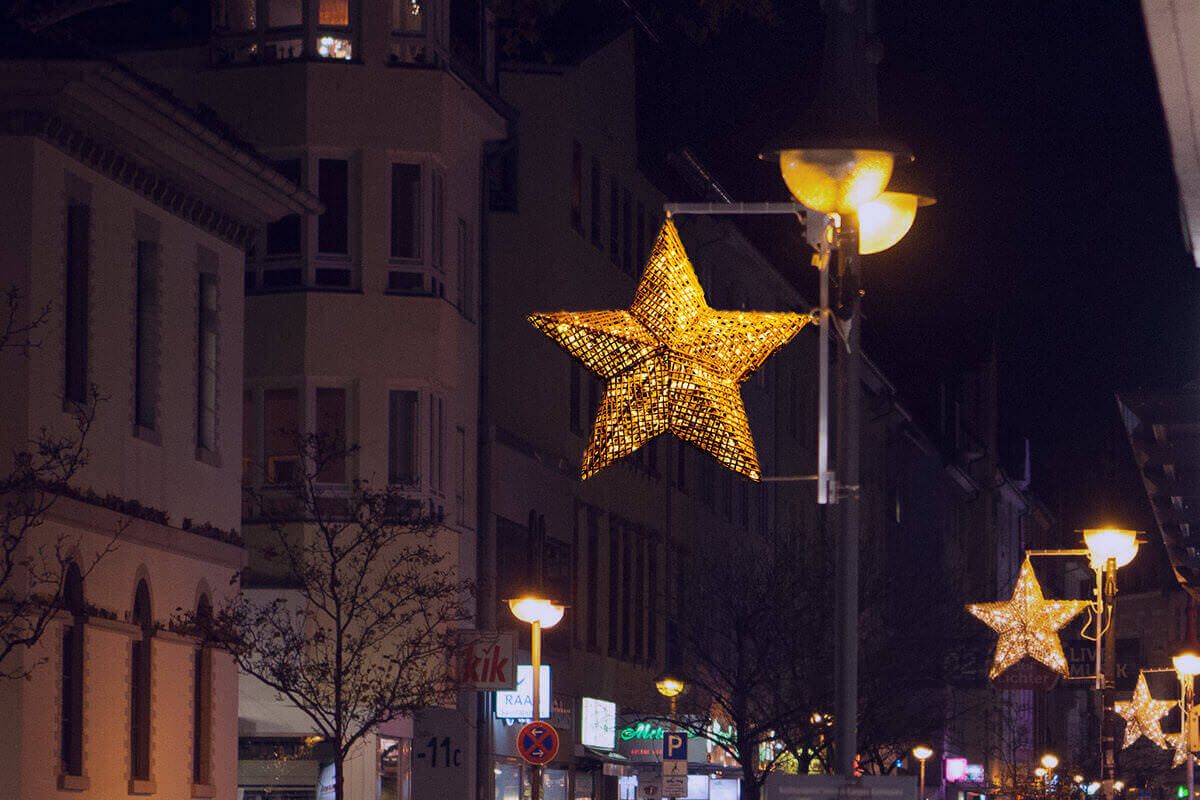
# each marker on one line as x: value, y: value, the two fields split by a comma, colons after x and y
x: 1142, y: 715
x: 671, y: 363
x: 1028, y: 624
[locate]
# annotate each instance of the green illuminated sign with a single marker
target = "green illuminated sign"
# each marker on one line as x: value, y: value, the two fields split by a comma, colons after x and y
x: 643, y: 731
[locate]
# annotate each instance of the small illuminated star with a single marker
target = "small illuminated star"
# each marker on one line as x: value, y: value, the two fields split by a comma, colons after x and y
x: 1142, y: 715
x: 671, y: 363
x: 1178, y: 742
x: 1028, y: 624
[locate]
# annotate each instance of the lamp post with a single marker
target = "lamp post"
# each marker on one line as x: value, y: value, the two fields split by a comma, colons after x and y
x: 539, y: 613
x: 670, y: 687
x: 922, y: 752
x: 1187, y: 667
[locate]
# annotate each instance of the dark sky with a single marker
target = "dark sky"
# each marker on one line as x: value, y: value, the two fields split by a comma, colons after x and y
x: 1056, y: 238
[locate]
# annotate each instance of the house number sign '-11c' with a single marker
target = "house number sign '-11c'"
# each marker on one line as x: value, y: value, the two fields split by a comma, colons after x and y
x: 439, y: 753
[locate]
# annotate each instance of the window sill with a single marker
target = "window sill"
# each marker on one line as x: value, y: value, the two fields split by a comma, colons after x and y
x: 141, y: 787
x: 148, y: 435
x: 74, y: 783
x: 203, y: 790
x: 206, y: 456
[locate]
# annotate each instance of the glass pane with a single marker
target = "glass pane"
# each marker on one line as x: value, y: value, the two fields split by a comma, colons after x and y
x: 508, y: 782
x: 406, y: 211
x: 335, y: 12
x: 402, y: 438
x: 331, y: 432
x: 249, y: 444
x: 236, y: 16
x: 554, y: 784
x: 408, y: 16
x: 283, y: 235
x: 333, y: 187
x: 584, y: 783
x: 334, y: 47
x: 285, y: 13
x: 395, y: 769
x: 281, y: 426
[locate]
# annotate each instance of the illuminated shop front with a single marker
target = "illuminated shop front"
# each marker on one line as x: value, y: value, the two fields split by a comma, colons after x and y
x: 712, y: 773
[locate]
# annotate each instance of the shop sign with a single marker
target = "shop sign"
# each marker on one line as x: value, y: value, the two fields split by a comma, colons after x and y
x: 974, y: 773
x: 956, y: 769
x: 485, y: 661
x: 518, y: 704
x: 598, y: 725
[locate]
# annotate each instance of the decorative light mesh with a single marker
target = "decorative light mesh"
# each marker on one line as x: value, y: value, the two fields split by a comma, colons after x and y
x: 1178, y: 741
x: 671, y: 363
x: 1028, y: 624
x: 1142, y: 715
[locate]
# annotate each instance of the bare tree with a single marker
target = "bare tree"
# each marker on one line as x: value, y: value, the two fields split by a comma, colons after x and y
x: 33, y: 566
x: 359, y: 630
x: 753, y: 642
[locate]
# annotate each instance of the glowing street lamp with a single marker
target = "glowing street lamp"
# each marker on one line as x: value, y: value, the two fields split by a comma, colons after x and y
x: 539, y: 613
x: 1110, y: 544
x: 670, y: 687
x: 922, y: 752
x: 1187, y: 667
x: 1049, y: 761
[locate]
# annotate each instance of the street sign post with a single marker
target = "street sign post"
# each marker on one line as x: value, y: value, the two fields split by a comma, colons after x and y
x: 537, y: 742
x: 674, y: 764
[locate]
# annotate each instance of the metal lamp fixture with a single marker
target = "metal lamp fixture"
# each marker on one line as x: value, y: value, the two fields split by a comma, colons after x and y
x: 530, y: 609
x: 669, y: 686
x: 836, y: 180
x: 1110, y: 543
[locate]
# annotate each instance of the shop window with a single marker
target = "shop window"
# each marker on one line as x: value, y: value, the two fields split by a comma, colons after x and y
x: 71, y: 673
x: 139, y: 686
x: 207, y: 367
x: 508, y: 781
x: 75, y: 305
x: 402, y: 438
x: 281, y: 427
x: 331, y: 434
x: 395, y: 768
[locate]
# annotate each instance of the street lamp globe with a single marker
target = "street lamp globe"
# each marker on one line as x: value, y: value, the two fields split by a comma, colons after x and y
x: 922, y: 752
x: 1040, y: 772
x: 1187, y: 664
x: 531, y: 609
x: 836, y: 180
x: 1049, y: 761
x: 669, y: 685
x: 1078, y: 779
x: 885, y: 220
x: 1106, y: 543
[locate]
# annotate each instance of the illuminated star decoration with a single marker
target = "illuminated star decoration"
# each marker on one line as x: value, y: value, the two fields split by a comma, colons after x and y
x: 1028, y: 624
x: 1178, y: 741
x: 670, y: 363
x: 1142, y: 715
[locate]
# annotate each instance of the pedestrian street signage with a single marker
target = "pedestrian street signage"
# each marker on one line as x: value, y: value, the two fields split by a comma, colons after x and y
x: 674, y: 764
x: 537, y: 742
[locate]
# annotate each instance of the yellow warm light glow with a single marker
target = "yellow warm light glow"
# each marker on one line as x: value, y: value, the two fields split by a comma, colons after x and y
x: 922, y: 752
x: 1142, y: 714
x: 537, y: 609
x: 1187, y: 664
x: 1040, y: 772
x: 669, y: 686
x: 836, y: 180
x: 1049, y: 761
x: 1118, y: 785
x: 670, y: 363
x: 1078, y: 779
x: 883, y: 221
x: 1106, y: 543
x: 1028, y: 624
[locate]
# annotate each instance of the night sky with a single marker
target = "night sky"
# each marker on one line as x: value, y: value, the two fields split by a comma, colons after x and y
x: 1056, y: 240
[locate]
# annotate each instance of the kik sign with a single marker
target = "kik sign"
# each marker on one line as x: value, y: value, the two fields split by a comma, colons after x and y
x: 484, y: 661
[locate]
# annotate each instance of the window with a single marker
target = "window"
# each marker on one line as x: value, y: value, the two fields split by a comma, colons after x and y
x: 283, y: 235
x: 466, y: 294
x: 639, y: 599
x: 402, y: 438
x: 333, y: 189
x: 406, y: 211
x: 202, y: 705
x: 575, y: 398
x: 593, y: 578
x: 577, y: 186
x: 595, y: 209
x: 408, y: 17
x: 460, y: 491
x: 235, y: 16
x: 652, y: 604
x: 71, y: 706
x: 436, y: 450
x: 614, y: 221
x: 285, y: 13
x: 628, y: 542
x: 334, y: 12
x: 331, y: 434
x: 249, y: 436
x: 206, y: 386
x: 614, y: 587
x: 438, y: 203
x: 627, y: 231
x: 145, y: 340
x: 139, y: 686
x: 395, y: 768
x: 76, y: 303
x: 281, y: 427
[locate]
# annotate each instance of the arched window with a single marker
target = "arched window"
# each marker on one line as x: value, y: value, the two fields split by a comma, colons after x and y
x: 71, y: 707
x: 139, y: 687
x: 202, y: 702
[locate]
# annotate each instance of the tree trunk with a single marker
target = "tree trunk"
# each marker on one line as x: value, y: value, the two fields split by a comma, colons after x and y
x: 339, y: 784
x: 751, y: 789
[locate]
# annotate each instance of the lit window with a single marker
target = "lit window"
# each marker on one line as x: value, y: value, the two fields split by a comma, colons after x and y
x: 334, y: 47
x: 408, y: 16
x: 335, y: 13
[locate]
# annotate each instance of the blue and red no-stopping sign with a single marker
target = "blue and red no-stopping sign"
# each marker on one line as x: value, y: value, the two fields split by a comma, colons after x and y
x: 537, y: 742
